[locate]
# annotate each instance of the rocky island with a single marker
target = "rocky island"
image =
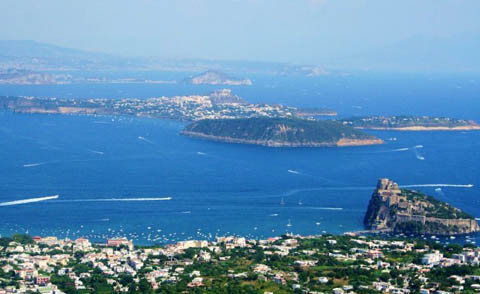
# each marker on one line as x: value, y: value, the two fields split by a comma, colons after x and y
x: 392, y: 209
x: 279, y: 132
x: 411, y: 123
x: 213, y: 77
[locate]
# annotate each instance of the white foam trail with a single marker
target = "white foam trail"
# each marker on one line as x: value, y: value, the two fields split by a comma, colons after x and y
x: 33, y: 164
x: 118, y: 199
x: 274, y: 214
x: 145, y: 140
x: 96, y: 152
x: 201, y: 153
x: 418, y: 155
x: 30, y: 200
x: 295, y: 172
x: 186, y: 212
x: 407, y: 148
x: 325, y: 208
x: 439, y: 185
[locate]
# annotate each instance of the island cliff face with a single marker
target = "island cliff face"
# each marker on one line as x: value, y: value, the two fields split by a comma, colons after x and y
x: 279, y: 132
x: 392, y: 209
x: 213, y: 77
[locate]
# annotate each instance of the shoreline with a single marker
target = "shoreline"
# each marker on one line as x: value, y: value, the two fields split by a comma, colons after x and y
x: 422, y: 128
x: 344, y: 142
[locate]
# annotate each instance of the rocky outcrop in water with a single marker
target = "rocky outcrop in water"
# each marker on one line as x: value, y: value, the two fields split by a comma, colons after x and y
x: 398, y: 210
x: 213, y: 77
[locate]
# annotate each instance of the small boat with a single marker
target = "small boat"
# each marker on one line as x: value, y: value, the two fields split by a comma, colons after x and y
x: 289, y: 223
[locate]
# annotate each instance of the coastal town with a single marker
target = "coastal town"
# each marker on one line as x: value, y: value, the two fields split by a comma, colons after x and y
x: 286, y: 264
x: 220, y: 104
x: 411, y: 123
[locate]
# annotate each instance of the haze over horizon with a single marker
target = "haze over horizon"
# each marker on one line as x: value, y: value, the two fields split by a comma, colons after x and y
x: 304, y: 31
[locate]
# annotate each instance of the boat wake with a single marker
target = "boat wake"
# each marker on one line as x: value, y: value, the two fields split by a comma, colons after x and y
x: 117, y: 199
x: 324, y: 208
x: 298, y: 191
x: 418, y: 155
x: 26, y: 201
x: 439, y: 185
x: 359, y: 188
x: 145, y: 140
x: 201, y: 153
x: 400, y: 149
x: 96, y: 152
x: 407, y: 148
x: 33, y: 164
x: 314, y: 177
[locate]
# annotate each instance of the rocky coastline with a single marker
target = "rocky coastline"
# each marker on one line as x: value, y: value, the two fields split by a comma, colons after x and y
x: 422, y: 128
x: 275, y: 143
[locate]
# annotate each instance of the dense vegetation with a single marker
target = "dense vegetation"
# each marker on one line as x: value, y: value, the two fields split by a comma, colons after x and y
x: 438, y: 209
x: 277, y: 129
x: 19, y: 238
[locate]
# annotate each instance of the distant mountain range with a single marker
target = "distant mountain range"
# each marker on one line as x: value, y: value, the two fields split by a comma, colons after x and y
x: 15, y: 76
x: 459, y: 53
x: 39, y: 56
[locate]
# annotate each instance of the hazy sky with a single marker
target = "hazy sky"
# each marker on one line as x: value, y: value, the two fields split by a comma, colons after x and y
x: 270, y: 30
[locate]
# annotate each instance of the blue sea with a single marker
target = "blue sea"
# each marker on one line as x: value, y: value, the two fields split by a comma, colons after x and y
x: 105, y: 168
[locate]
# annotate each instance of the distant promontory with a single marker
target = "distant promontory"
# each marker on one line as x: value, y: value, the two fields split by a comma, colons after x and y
x: 279, y: 132
x: 213, y: 77
x: 411, y: 123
